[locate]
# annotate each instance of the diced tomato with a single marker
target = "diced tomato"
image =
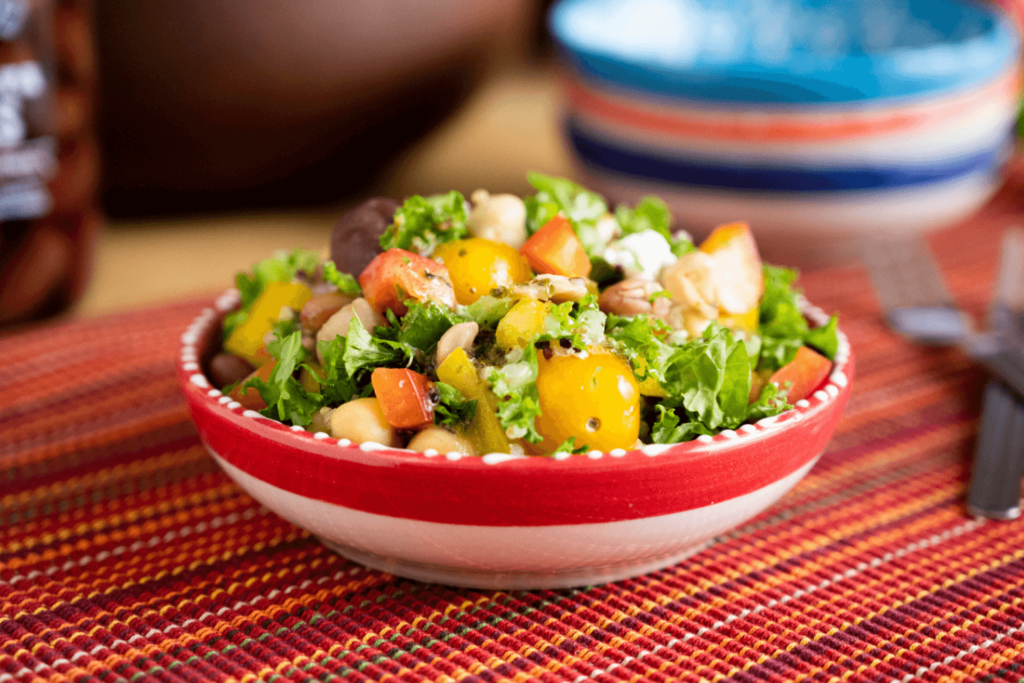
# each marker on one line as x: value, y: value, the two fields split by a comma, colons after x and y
x: 555, y: 250
x: 251, y: 399
x: 397, y: 275
x: 803, y: 374
x: 405, y: 397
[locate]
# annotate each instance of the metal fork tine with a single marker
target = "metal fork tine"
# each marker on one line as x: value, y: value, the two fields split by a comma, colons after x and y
x: 912, y: 292
x: 1007, y: 308
x: 905, y: 274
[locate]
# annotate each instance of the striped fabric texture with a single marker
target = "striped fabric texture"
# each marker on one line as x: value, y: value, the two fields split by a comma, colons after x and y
x: 126, y: 555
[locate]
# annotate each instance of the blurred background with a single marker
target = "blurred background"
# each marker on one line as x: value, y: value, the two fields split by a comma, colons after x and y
x: 194, y: 137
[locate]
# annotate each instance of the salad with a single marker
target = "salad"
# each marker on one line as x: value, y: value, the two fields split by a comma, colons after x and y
x: 544, y: 325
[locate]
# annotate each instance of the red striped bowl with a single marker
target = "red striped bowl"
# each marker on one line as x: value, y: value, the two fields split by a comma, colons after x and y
x: 503, y: 521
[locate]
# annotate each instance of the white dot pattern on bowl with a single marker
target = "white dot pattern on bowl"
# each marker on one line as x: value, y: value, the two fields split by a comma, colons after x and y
x: 189, y: 362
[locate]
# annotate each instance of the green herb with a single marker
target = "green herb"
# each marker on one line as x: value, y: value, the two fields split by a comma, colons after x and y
x: 424, y: 323
x: 285, y: 398
x: 515, y: 387
x: 772, y: 401
x: 554, y: 195
x: 364, y: 352
x: 283, y: 328
x: 667, y: 428
x: 700, y: 372
x: 582, y: 207
x: 422, y: 223
x: 582, y: 323
x: 783, y: 327
x: 776, y: 352
x: 345, y: 283
x: 452, y: 409
x: 660, y: 294
x: 604, y: 273
x: 336, y: 385
x: 825, y: 339
x: 651, y: 213
x: 636, y: 337
x: 569, y: 447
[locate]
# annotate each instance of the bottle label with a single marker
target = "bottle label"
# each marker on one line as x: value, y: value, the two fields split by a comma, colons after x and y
x: 26, y: 163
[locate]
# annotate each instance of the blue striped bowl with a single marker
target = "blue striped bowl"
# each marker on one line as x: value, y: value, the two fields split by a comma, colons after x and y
x: 893, y: 146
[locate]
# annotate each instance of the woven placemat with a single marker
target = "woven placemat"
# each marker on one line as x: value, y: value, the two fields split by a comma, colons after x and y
x: 126, y: 555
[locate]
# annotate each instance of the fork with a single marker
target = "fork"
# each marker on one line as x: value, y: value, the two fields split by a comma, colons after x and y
x: 918, y: 306
x: 999, y: 457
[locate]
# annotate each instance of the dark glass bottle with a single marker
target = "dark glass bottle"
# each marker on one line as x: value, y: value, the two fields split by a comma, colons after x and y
x: 48, y: 156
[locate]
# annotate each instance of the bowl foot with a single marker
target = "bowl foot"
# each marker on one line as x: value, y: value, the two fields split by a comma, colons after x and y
x: 523, y: 580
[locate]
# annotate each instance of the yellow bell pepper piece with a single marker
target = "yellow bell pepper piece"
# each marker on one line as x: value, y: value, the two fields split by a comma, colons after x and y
x: 484, y: 431
x: 523, y: 322
x: 247, y: 339
x: 744, y: 321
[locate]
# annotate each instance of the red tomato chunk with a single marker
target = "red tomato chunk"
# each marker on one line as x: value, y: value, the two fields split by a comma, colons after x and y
x: 406, y: 397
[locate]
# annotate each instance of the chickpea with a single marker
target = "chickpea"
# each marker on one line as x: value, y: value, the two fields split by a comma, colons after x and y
x: 442, y: 441
x: 498, y: 217
x: 459, y: 336
x: 362, y: 420
x: 337, y: 324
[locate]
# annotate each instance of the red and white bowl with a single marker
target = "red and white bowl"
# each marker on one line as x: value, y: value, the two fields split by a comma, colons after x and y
x: 504, y: 521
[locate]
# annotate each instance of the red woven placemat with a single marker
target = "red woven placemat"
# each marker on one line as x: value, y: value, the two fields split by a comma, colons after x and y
x: 126, y: 555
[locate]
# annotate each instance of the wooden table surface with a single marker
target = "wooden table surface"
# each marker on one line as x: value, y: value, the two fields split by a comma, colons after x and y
x: 508, y: 128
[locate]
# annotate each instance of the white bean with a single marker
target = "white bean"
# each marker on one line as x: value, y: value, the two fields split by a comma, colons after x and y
x: 362, y: 420
x: 337, y: 324
x: 459, y: 336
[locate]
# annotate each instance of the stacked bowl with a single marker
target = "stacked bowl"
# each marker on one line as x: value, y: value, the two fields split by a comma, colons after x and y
x: 818, y: 121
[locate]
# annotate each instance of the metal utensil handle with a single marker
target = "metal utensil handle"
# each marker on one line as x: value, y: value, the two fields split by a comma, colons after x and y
x: 999, y: 456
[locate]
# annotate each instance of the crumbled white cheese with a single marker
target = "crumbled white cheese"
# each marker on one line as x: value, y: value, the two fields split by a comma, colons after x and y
x: 641, y: 255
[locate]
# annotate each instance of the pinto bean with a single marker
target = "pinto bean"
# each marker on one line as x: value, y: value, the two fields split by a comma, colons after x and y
x: 633, y: 297
x: 320, y: 308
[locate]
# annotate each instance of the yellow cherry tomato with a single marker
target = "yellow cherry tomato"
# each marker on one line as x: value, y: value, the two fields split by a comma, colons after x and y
x: 594, y: 399
x: 477, y: 266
